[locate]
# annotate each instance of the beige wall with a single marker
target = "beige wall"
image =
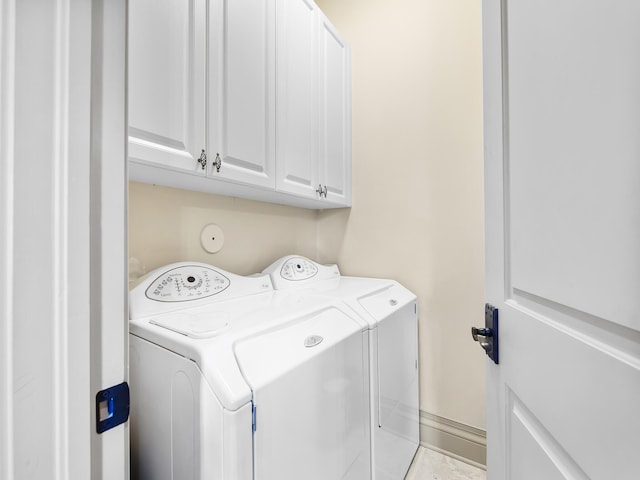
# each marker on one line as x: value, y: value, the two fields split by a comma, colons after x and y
x: 417, y: 198
x: 417, y: 212
x: 165, y: 225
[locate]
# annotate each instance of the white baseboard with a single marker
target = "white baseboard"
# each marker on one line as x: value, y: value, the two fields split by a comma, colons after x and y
x: 457, y: 440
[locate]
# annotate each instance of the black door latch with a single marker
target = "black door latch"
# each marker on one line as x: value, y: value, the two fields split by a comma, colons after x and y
x: 112, y: 407
x: 488, y: 336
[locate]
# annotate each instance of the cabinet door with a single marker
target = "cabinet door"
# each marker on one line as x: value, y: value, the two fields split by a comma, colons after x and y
x: 242, y: 91
x: 335, y: 114
x: 296, y: 108
x: 166, y: 92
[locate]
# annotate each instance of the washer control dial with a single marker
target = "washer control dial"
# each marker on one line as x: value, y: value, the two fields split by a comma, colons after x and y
x: 185, y: 283
x: 298, y: 268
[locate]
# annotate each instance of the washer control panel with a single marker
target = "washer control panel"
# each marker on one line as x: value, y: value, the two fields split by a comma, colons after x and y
x: 298, y: 268
x: 185, y: 283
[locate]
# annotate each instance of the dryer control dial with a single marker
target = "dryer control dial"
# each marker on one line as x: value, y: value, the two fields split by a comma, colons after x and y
x: 298, y: 268
x: 185, y: 283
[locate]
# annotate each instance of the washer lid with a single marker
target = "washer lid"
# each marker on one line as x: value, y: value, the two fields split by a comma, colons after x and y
x: 194, y: 326
x: 310, y: 384
x: 269, y: 355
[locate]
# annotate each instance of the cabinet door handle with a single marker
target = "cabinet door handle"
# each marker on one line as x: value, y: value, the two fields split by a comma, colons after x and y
x: 322, y: 191
x: 203, y: 159
x: 217, y: 162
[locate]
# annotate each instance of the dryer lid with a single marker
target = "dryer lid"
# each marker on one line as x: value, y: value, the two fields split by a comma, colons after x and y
x: 384, y: 302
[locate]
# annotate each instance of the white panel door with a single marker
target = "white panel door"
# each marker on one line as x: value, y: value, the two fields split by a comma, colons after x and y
x: 562, y: 150
x: 335, y: 114
x: 242, y: 91
x: 166, y: 89
x: 297, y: 106
x: 108, y: 241
x: 63, y: 312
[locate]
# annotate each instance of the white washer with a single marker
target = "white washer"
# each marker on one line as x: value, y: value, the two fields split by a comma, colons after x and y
x: 233, y: 380
x: 390, y: 311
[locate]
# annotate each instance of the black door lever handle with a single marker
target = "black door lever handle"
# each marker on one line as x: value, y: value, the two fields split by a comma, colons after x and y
x: 481, y: 332
x: 487, y: 337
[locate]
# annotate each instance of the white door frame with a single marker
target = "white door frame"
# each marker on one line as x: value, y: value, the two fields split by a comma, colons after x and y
x: 63, y: 310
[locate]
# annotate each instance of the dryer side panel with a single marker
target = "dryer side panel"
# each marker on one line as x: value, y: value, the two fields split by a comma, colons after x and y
x: 398, y: 433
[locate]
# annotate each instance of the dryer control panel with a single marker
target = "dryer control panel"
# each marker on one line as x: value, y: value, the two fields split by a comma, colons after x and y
x: 295, y: 271
x: 187, y: 283
x: 298, y: 268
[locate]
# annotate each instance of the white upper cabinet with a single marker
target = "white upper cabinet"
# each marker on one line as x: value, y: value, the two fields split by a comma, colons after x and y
x: 314, y: 105
x: 297, y: 107
x: 242, y: 91
x: 166, y: 88
x: 335, y: 114
x: 249, y: 98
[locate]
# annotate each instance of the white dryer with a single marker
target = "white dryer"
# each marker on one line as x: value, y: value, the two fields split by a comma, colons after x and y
x: 391, y: 313
x: 232, y: 380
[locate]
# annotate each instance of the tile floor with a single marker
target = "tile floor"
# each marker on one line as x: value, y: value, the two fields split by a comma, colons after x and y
x: 430, y: 465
